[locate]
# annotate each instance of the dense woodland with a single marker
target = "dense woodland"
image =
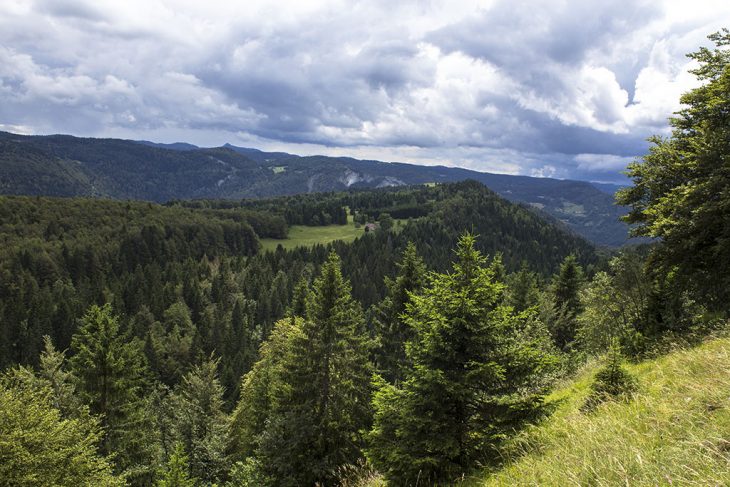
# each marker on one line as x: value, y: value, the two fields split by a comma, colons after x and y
x: 147, y: 344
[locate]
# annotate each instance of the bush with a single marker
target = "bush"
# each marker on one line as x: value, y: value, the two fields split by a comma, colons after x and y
x: 611, y: 382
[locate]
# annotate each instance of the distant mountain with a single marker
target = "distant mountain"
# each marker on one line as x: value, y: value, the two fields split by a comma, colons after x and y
x: 609, y: 188
x: 62, y: 165
x: 174, y: 146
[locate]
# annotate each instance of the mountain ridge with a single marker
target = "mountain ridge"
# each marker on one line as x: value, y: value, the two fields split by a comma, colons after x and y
x: 64, y: 165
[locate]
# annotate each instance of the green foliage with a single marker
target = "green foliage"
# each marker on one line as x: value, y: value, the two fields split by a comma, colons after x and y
x: 476, y: 375
x: 38, y: 446
x: 200, y: 422
x: 112, y: 380
x: 616, y: 307
x: 61, y: 381
x: 170, y: 343
x: 566, y: 288
x: 305, y: 405
x: 612, y: 381
x: 177, y: 470
x: 680, y: 191
x: 522, y: 290
x: 260, y: 388
x: 187, y: 282
x: 391, y: 330
x: 386, y: 222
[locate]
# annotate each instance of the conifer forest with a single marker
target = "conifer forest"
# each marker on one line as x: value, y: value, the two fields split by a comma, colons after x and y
x: 412, y: 335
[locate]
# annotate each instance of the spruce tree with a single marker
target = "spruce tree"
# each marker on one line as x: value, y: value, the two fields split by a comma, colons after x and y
x: 38, y: 446
x: 176, y: 472
x: 200, y: 422
x: 312, y: 400
x: 680, y: 193
x: 391, y: 330
x: 476, y: 375
x: 112, y: 380
x: 62, y: 382
x: 566, y: 289
x: 522, y: 291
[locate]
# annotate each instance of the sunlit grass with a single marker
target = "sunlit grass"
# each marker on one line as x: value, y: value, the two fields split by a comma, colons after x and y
x: 676, y: 430
x: 306, y: 236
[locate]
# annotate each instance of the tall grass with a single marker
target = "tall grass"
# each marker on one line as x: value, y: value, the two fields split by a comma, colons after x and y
x: 675, y: 430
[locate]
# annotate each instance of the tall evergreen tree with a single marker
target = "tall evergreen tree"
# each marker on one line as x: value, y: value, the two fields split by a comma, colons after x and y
x: 177, y: 470
x: 681, y: 188
x: 522, y: 289
x: 391, y: 330
x: 316, y: 403
x: 38, y: 446
x: 566, y: 289
x: 112, y: 380
x: 200, y: 422
x: 476, y: 374
x: 62, y: 383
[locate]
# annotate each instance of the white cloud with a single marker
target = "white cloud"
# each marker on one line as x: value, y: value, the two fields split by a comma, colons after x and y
x: 488, y: 84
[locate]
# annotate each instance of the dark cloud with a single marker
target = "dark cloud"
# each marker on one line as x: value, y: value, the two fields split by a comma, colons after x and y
x: 562, y: 88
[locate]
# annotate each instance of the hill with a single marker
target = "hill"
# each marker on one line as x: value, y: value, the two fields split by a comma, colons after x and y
x: 61, y: 165
x: 62, y: 254
x: 675, y: 432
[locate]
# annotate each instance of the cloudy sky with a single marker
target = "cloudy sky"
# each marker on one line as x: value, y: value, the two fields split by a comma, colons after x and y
x: 567, y: 89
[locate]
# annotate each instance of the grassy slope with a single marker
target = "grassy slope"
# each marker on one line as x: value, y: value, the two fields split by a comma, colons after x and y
x: 675, y: 432
x: 306, y: 236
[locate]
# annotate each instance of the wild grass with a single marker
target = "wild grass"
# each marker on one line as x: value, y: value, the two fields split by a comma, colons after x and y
x: 674, y: 431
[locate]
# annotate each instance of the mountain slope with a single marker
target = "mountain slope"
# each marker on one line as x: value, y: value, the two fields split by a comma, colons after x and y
x: 676, y: 431
x: 65, y: 165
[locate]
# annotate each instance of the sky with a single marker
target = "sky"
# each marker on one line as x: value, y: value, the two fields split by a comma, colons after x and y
x: 565, y: 89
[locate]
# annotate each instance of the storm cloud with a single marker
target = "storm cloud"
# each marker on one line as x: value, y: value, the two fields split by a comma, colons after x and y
x: 567, y: 89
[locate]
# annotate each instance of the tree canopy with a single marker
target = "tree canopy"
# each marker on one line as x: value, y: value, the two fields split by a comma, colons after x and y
x: 681, y: 188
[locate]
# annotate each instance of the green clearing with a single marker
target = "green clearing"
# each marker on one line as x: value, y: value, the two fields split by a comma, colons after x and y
x: 278, y: 169
x: 306, y: 236
x: 675, y: 431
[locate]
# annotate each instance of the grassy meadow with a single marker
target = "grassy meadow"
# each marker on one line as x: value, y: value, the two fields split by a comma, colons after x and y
x: 675, y: 431
x: 307, y: 236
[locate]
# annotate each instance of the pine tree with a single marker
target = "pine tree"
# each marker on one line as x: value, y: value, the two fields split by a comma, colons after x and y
x: 317, y: 398
x: 299, y: 300
x: 680, y: 189
x: 112, y: 381
x: 200, y: 422
x: 612, y: 381
x: 522, y: 291
x: 62, y: 382
x: 260, y: 389
x: 476, y: 375
x: 566, y: 289
x: 391, y: 330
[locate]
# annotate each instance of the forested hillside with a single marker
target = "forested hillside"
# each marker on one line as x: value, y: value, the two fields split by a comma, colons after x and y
x: 61, y: 255
x: 185, y: 285
x: 458, y: 338
x: 61, y: 165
